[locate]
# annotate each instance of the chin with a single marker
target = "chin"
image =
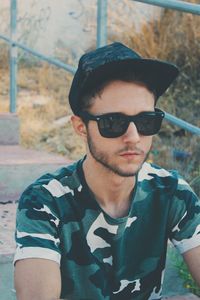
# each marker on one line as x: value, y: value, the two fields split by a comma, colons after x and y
x: 128, y: 172
x: 133, y: 167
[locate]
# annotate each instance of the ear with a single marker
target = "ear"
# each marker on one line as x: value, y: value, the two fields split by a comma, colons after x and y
x: 79, y: 126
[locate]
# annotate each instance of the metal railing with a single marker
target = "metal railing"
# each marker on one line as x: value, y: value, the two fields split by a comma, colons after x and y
x: 101, y: 23
x: 175, y: 5
x: 101, y: 41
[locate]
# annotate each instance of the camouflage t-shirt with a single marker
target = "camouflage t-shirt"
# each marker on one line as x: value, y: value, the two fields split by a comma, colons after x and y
x: 102, y: 257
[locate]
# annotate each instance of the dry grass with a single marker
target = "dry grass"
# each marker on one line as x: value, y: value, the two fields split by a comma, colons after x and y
x: 43, y: 99
x: 4, y: 55
x: 174, y: 37
x: 46, y: 103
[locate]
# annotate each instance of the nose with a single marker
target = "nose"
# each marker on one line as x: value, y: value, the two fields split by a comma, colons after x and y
x: 131, y: 135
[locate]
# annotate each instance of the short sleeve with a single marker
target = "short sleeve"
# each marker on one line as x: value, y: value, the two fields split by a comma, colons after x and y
x: 184, y: 217
x: 37, y: 226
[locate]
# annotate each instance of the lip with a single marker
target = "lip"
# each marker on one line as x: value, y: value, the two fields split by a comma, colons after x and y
x: 130, y: 154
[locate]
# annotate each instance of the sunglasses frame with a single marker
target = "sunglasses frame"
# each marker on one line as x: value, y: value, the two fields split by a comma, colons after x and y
x: 86, y: 116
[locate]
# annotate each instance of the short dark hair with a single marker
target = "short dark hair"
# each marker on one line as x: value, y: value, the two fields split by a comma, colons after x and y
x: 88, y: 95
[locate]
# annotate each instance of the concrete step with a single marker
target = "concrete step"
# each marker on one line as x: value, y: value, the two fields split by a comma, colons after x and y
x: 7, y: 291
x: 9, y: 129
x: 19, y: 167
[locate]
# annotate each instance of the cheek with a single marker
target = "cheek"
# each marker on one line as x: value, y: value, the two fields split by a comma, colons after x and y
x: 93, y: 135
x: 147, y: 143
x: 92, y: 128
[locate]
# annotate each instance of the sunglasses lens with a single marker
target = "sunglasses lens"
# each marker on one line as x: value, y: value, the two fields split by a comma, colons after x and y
x: 112, y: 126
x: 148, y: 124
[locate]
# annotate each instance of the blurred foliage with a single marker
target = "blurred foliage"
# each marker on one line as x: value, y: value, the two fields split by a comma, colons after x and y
x: 188, y: 281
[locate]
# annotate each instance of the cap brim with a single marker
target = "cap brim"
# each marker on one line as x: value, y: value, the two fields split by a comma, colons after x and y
x: 158, y: 74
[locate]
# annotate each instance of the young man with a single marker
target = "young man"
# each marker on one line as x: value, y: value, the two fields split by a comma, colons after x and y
x: 99, y: 228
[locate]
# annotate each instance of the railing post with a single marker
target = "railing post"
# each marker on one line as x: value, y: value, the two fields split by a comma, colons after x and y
x: 101, y: 23
x: 13, y: 56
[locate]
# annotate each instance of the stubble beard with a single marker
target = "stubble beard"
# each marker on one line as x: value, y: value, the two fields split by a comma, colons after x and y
x: 101, y: 158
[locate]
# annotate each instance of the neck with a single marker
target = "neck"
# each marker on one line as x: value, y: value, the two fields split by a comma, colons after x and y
x: 112, y: 192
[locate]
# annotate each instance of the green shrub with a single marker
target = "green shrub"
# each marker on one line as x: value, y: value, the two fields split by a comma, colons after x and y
x: 189, y: 282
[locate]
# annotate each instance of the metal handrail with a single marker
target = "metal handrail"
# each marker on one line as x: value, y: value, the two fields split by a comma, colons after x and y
x: 101, y: 23
x: 175, y: 5
x: 50, y: 60
x: 183, y: 124
x: 13, y: 57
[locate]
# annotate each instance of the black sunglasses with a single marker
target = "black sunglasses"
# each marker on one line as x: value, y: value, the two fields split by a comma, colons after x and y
x: 113, y: 125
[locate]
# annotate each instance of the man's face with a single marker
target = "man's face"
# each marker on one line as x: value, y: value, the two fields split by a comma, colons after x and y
x: 123, y: 155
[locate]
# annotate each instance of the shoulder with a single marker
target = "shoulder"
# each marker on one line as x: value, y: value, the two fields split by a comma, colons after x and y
x: 154, y: 173
x: 51, y: 186
x: 155, y: 177
x: 150, y: 171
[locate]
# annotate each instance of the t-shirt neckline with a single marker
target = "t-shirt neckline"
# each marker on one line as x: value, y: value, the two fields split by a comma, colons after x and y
x: 87, y: 190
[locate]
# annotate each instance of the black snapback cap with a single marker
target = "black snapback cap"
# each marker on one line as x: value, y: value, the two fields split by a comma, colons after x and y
x: 105, y: 62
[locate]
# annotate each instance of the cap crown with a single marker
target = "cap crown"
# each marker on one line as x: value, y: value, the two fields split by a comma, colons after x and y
x: 105, y: 62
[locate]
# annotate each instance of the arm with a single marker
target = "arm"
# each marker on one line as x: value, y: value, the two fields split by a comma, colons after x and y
x: 37, y: 279
x: 37, y: 256
x: 192, y: 259
x: 184, y: 218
